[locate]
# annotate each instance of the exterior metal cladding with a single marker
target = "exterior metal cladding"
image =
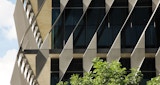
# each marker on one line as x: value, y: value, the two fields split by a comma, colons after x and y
x: 58, y: 38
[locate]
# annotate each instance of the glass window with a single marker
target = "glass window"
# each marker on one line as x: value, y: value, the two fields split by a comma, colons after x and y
x: 144, y: 3
x: 157, y: 27
x: 75, y: 67
x: 54, y: 64
x: 104, y: 35
x: 55, y: 3
x: 94, y: 18
x: 54, y: 78
x: 58, y: 32
x: 148, y: 69
x: 97, y: 3
x: 55, y: 14
x: 80, y: 35
x: 120, y: 3
x: 117, y: 20
x: 54, y: 71
x: 135, y: 26
x: 64, y: 26
x: 75, y: 3
x: 111, y: 26
x: 126, y: 63
x: 72, y: 17
x: 87, y: 27
x: 150, y: 37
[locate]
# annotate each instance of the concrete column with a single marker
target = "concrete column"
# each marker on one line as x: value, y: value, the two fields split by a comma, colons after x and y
x: 86, y: 4
x: 90, y: 54
x: 63, y: 4
x: 28, y: 10
x: 31, y: 80
x: 20, y: 57
x: 138, y: 54
x: 115, y: 50
x: 26, y: 71
x: 29, y: 75
x: 31, y: 17
x: 23, y: 65
x: 108, y: 5
x: 66, y: 57
x: 157, y: 59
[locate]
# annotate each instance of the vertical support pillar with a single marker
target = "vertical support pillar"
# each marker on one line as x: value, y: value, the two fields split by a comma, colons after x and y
x: 29, y: 75
x: 86, y: 4
x: 108, y: 5
x: 66, y: 57
x: 63, y: 4
x: 157, y: 56
x: 138, y: 54
x: 23, y: 65
x: 115, y: 51
x: 31, y: 80
x: 90, y: 54
x: 20, y: 59
x: 157, y: 63
x: 26, y: 71
x: 91, y: 51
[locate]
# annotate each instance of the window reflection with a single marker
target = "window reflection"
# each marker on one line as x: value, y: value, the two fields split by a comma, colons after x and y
x: 109, y: 28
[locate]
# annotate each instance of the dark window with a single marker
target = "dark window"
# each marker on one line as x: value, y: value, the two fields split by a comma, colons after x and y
x: 55, y: 3
x: 72, y: 17
x: 75, y: 3
x: 150, y: 37
x: 94, y: 18
x: 157, y: 27
x: 144, y: 3
x: 135, y: 26
x: 117, y: 16
x: 111, y: 26
x: 126, y: 63
x: 54, y: 71
x: 54, y: 64
x: 104, y: 35
x: 58, y: 32
x: 97, y: 3
x: 120, y: 3
x: 75, y: 67
x: 54, y: 78
x: 80, y: 35
x: 55, y: 14
x: 87, y: 27
x: 148, y: 68
x: 64, y: 26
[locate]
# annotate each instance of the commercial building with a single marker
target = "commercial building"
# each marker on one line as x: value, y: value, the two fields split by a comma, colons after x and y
x: 60, y: 37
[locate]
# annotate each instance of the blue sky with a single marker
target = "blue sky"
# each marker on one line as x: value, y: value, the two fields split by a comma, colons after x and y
x: 8, y: 41
x: 13, y: 1
x: 6, y: 44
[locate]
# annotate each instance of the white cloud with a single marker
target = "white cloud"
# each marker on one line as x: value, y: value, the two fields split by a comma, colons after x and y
x: 6, y: 66
x: 6, y: 19
x: 8, y: 51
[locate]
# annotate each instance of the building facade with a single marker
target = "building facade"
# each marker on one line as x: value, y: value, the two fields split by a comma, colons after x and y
x: 60, y: 37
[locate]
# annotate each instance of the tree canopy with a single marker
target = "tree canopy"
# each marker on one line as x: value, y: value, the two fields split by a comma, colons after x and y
x: 106, y: 73
x: 154, y: 81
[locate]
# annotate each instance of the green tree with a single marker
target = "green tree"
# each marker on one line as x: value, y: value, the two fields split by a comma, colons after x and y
x: 106, y: 73
x: 154, y: 81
